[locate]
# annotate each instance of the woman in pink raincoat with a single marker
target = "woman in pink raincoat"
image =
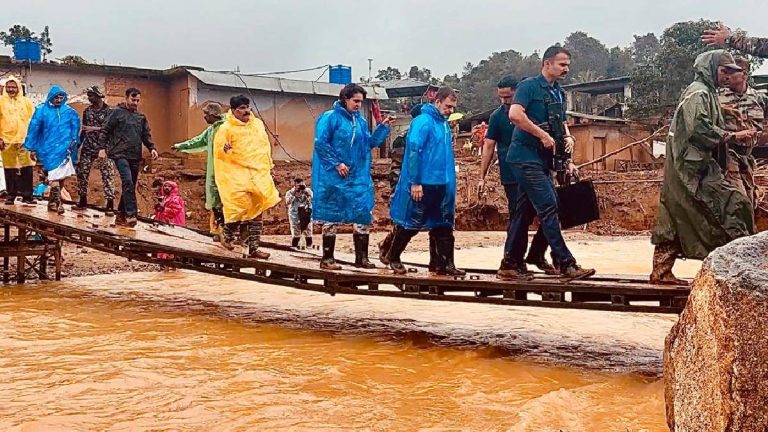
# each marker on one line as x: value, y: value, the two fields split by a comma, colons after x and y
x: 171, y: 209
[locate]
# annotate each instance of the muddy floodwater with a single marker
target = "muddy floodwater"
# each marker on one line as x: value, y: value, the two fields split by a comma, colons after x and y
x: 183, y: 351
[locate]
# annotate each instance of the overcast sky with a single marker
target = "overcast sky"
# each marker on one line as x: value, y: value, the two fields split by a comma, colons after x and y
x: 271, y: 35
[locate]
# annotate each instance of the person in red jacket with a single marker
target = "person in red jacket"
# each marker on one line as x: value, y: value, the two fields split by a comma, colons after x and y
x: 172, y: 209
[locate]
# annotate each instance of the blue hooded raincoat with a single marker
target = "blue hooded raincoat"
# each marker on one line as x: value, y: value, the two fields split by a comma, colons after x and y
x: 428, y: 161
x: 343, y: 137
x: 52, y: 131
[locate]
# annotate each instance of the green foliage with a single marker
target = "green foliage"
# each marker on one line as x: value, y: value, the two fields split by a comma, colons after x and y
x: 73, y: 60
x: 588, y: 54
x: 22, y: 32
x: 389, y: 74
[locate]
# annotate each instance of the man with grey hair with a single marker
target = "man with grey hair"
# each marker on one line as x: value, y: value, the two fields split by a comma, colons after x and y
x: 213, y: 115
x: 93, y: 150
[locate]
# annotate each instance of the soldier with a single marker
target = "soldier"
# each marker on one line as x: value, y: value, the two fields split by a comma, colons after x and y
x: 699, y: 209
x: 93, y: 150
x: 724, y: 37
x: 743, y: 109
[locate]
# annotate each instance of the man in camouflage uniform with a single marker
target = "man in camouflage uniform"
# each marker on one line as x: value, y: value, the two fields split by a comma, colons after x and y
x: 93, y: 150
x: 724, y: 37
x: 743, y: 109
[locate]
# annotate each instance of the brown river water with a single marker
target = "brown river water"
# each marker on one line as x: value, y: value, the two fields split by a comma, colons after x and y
x: 183, y: 351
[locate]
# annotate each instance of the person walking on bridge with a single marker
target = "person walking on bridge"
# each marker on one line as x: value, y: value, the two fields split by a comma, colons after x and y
x: 93, y: 151
x: 243, y: 165
x: 126, y: 129
x: 425, y: 197
x: 341, y: 173
x: 18, y: 167
x: 53, y: 137
x: 213, y: 113
x: 699, y: 208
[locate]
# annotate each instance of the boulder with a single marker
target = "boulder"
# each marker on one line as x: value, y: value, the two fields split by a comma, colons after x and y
x: 716, y: 355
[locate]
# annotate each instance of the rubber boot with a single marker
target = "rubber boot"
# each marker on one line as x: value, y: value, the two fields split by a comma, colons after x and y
x: 110, y: 207
x: 295, y: 242
x: 253, y: 231
x: 329, y: 247
x: 308, y: 241
x: 82, y: 204
x: 399, y: 241
x: 433, y: 255
x: 664, y: 256
x: 228, y: 235
x: 445, y: 251
x: 361, y: 242
x: 384, y: 246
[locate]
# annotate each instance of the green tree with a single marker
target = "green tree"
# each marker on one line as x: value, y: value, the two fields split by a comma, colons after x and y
x: 645, y: 48
x: 423, y: 75
x: 588, y: 54
x: 22, y: 32
x: 389, y: 74
x: 620, y: 62
x: 73, y: 60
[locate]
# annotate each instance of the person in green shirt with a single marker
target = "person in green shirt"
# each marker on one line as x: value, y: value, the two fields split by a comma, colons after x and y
x: 214, y: 116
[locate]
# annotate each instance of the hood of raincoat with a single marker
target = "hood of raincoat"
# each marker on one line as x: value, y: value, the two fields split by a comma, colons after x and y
x: 54, y: 132
x: 705, y: 67
x: 53, y: 92
x: 15, y: 113
x: 174, y: 187
x: 13, y: 78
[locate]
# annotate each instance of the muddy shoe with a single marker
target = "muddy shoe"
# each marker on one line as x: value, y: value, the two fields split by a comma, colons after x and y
x: 227, y: 243
x: 259, y: 255
x: 120, y: 219
x: 574, y: 271
x: 544, y: 266
x: 513, y: 274
x: 131, y: 221
x: 667, y: 279
x: 329, y: 264
x: 398, y: 268
x: 450, y: 270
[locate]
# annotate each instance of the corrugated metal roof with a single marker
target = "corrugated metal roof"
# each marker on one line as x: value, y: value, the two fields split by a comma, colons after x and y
x: 278, y: 85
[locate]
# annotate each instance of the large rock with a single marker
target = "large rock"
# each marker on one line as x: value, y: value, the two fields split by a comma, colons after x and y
x: 716, y: 356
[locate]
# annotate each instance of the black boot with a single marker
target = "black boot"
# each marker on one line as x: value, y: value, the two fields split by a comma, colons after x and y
x: 399, y: 242
x: 384, y: 247
x: 361, y: 251
x: 295, y: 242
x: 308, y: 241
x: 110, y: 207
x: 329, y: 247
x: 253, y: 232
x: 433, y: 255
x: 82, y: 203
x: 228, y: 235
x: 445, y: 251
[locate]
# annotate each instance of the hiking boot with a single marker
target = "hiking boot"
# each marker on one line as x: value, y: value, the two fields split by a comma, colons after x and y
x: 258, y: 255
x: 664, y: 256
x: 361, y: 242
x: 228, y: 236
x: 509, y: 270
x: 253, y: 231
x: 574, y: 271
x: 544, y: 265
x: 329, y: 247
x: 398, y: 268
x: 120, y: 219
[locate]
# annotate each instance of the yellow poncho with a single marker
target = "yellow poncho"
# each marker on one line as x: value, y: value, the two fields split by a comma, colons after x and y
x: 243, y: 173
x: 15, y: 114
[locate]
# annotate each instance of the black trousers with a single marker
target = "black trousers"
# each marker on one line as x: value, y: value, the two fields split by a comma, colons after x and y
x: 18, y: 182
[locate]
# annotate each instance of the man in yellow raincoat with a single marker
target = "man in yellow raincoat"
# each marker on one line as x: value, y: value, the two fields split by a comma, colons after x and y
x: 243, y: 164
x: 15, y: 113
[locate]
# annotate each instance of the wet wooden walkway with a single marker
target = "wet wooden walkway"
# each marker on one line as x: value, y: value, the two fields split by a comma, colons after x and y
x: 300, y: 269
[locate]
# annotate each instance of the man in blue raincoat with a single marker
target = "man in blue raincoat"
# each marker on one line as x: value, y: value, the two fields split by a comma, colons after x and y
x: 425, y: 197
x: 53, y: 136
x: 341, y: 174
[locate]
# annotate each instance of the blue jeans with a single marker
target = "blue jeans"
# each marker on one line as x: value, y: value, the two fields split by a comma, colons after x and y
x: 538, y: 245
x: 129, y: 177
x: 536, y: 192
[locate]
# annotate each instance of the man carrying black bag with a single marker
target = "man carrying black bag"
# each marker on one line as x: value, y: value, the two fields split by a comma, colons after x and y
x: 299, y: 202
x: 531, y: 155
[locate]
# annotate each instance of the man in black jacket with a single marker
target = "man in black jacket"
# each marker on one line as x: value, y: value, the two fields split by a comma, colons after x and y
x: 126, y: 130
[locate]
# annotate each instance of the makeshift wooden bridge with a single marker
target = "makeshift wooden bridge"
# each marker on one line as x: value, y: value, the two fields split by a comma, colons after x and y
x: 33, y: 236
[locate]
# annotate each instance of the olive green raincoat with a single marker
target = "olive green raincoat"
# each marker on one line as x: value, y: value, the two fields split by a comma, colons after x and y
x: 698, y: 207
